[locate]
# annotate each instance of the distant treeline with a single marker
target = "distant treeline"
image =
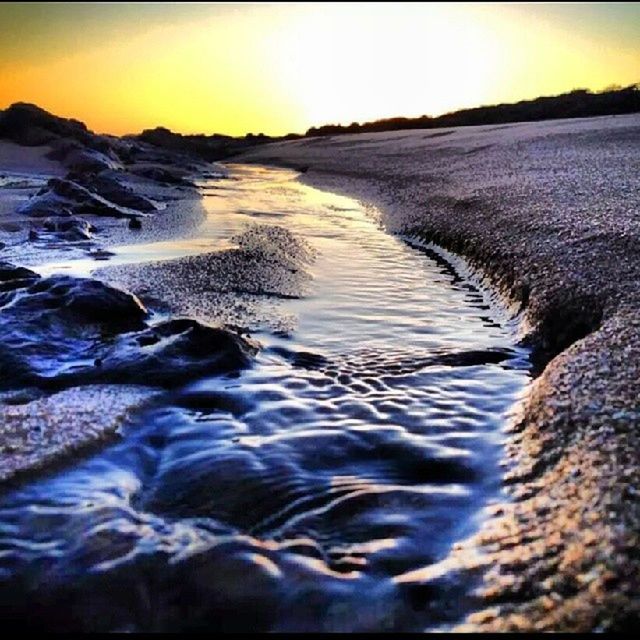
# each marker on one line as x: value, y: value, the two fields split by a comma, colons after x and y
x: 210, y: 147
x: 580, y: 103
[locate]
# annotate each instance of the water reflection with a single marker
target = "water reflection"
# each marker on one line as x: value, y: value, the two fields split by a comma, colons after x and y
x: 323, y: 488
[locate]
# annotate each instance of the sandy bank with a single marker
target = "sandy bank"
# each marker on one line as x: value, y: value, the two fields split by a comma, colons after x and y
x: 27, y: 239
x: 60, y: 201
x: 37, y: 431
x: 239, y: 286
x: 549, y: 211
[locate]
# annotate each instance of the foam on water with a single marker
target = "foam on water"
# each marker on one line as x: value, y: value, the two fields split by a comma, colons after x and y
x: 304, y: 492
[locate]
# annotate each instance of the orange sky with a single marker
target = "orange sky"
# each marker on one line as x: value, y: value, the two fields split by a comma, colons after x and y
x: 277, y: 68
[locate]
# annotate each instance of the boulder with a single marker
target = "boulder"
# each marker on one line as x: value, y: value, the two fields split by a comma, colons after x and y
x: 9, y: 271
x: 86, y: 299
x: 172, y: 353
x: 64, y: 197
x: 164, y: 175
x: 89, y: 160
x: 62, y: 331
x: 107, y: 186
x: 69, y: 229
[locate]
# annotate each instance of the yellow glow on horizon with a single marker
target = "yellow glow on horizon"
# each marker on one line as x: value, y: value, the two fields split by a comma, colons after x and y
x: 366, y: 66
x: 157, y: 77
x: 282, y: 68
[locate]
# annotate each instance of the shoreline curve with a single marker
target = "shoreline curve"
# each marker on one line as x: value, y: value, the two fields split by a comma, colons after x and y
x: 549, y: 213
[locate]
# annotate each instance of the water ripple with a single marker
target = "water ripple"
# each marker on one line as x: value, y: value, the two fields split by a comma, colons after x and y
x: 322, y: 489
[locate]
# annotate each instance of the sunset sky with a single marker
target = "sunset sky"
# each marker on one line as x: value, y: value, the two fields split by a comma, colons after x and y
x: 278, y: 68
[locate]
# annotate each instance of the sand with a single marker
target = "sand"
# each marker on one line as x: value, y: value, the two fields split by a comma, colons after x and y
x: 550, y: 214
x: 15, y: 158
x: 38, y: 430
x: 39, y: 433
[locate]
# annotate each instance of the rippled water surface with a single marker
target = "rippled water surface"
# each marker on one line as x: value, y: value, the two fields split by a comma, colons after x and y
x: 311, y: 492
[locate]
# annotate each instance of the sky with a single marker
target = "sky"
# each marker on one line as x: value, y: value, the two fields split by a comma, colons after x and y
x: 277, y: 68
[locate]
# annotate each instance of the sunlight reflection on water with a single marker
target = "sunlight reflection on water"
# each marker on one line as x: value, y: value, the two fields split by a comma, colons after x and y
x: 321, y: 489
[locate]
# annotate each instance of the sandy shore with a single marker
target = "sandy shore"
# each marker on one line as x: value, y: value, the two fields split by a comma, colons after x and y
x: 549, y: 212
x: 39, y: 430
x: 25, y: 170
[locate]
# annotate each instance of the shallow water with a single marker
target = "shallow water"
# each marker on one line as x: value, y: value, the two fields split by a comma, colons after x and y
x: 313, y: 491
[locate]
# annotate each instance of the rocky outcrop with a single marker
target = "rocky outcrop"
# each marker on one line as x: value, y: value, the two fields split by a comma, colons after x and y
x: 61, y: 331
x: 30, y: 125
x: 65, y: 198
x: 108, y: 186
x: 165, y: 175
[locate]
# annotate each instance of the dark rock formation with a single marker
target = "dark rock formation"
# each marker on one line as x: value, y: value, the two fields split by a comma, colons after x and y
x: 107, y: 186
x: 90, y: 161
x: 65, y: 197
x: 10, y: 272
x: 85, y: 299
x: 169, y: 354
x: 164, y: 175
x: 62, y: 331
x: 29, y: 125
x: 70, y: 229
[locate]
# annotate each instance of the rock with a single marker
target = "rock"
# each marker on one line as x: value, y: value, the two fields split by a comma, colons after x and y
x: 108, y: 187
x: 70, y: 140
x: 164, y: 175
x: 10, y: 227
x: 54, y: 324
x: 70, y: 229
x: 9, y: 271
x: 62, y: 147
x: 45, y: 204
x: 89, y: 160
x: 66, y: 198
x: 87, y: 299
x: 30, y: 125
x: 66, y: 189
x: 101, y: 254
x: 168, y: 354
x: 134, y: 223
x: 54, y: 331
x: 13, y: 285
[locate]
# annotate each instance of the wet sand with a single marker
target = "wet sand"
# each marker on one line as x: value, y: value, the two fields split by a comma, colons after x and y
x: 548, y: 212
x: 359, y: 447
x: 39, y: 430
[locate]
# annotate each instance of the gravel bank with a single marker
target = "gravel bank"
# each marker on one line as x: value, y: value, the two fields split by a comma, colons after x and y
x: 550, y: 213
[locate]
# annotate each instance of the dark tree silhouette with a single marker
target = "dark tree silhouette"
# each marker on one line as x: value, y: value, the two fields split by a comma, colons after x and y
x: 580, y: 103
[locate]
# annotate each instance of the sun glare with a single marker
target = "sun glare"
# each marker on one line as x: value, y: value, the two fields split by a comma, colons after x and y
x: 341, y: 65
x: 285, y: 67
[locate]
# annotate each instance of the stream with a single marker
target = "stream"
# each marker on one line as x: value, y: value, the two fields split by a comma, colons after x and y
x: 315, y: 490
